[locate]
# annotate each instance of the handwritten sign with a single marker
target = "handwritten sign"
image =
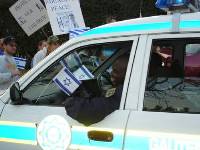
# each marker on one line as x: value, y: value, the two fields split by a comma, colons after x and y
x: 64, y: 15
x: 30, y: 14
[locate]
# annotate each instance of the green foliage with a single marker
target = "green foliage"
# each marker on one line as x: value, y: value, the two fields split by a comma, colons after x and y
x: 94, y: 12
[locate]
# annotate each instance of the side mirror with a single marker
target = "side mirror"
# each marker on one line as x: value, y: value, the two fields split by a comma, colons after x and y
x: 16, y: 94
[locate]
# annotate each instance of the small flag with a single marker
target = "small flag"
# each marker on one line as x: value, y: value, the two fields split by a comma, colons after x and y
x: 83, y: 73
x: 66, y: 81
x: 71, y: 61
x: 76, y: 32
x: 20, y: 62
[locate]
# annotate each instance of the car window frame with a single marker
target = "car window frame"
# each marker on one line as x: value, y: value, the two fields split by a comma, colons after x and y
x: 71, y: 49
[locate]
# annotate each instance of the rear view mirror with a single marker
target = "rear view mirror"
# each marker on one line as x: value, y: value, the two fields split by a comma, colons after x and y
x: 16, y: 94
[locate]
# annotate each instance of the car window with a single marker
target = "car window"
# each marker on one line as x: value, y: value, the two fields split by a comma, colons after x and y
x: 192, y: 49
x: 45, y: 91
x: 173, y: 82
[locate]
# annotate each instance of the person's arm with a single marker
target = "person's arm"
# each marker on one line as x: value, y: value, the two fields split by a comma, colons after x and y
x: 34, y: 60
x: 5, y: 77
x: 90, y: 111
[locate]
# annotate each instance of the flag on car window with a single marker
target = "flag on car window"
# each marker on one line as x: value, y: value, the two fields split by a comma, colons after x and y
x: 83, y: 73
x: 66, y: 81
x: 76, y: 32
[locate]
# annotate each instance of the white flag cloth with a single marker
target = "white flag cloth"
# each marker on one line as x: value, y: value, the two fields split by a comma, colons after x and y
x: 83, y: 73
x: 20, y: 62
x: 71, y: 61
x: 77, y: 32
x: 66, y: 81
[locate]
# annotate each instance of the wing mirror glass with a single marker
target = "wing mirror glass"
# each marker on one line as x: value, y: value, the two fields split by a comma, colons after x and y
x: 16, y: 94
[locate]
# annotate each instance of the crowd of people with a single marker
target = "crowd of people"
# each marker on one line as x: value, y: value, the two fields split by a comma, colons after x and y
x: 9, y: 71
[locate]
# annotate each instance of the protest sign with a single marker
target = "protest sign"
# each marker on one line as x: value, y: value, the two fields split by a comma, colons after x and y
x: 30, y: 14
x: 64, y: 15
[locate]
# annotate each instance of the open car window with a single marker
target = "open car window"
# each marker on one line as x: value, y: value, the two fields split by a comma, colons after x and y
x: 81, y: 63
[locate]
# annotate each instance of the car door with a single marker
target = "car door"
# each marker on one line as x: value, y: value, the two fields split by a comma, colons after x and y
x: 43, y: 97
x: 164, y: 94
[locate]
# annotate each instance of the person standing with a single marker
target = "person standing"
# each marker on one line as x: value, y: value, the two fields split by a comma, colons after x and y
x: 41, y: 45
x: 8, y: 68
x: 52, y: 44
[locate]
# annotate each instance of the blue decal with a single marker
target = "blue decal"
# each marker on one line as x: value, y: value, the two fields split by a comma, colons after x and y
x: 136, y: 143
x: 127, y: 28
x: 190, y: 24
x: 18, y: 132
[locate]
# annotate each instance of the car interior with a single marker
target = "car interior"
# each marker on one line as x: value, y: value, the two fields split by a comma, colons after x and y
x: 43, y: 90
x: 169, y: 87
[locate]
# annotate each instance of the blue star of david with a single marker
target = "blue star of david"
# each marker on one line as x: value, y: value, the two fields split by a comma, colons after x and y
x: 67, y: 82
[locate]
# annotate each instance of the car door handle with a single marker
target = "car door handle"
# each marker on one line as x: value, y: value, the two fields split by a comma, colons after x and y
x: 104, y: 136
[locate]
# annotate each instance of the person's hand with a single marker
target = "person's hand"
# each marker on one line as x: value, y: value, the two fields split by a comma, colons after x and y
x: 10, y: 66
x: 15, y: 72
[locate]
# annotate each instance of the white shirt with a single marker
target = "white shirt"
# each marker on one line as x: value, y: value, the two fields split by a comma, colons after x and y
x: 6, y: 64
x: 40, y: 55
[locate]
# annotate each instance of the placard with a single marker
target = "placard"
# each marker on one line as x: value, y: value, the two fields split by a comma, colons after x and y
x: 64, y: 15
x: 30, y: 14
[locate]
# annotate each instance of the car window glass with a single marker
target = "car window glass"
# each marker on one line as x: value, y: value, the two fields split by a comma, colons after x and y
x: 173, y: 82
x: 192, y: 49
x: 44, y: 91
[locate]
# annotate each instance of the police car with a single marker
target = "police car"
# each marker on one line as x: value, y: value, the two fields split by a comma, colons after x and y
x: 160, y: 103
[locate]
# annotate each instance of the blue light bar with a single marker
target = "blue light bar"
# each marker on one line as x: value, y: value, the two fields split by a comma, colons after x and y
x: 163, y: 4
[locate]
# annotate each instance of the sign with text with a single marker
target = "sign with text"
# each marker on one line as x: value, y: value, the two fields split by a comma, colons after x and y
x: 64, y: 15
x: 30, y: 14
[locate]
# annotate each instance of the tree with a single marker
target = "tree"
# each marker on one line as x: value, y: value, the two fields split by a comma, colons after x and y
x: 94, y: 12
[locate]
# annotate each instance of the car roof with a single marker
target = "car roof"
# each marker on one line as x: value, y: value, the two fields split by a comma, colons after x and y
x: 189, y: 22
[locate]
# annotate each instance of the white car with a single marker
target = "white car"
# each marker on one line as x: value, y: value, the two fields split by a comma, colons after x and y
x: 160, y: 105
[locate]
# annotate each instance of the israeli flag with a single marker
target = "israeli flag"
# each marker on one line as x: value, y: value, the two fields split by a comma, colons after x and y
x: 71, y: 61
x: 20, y: 62
x: 76, y: 32
x: 66, y: 81
x: 83, y: 73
